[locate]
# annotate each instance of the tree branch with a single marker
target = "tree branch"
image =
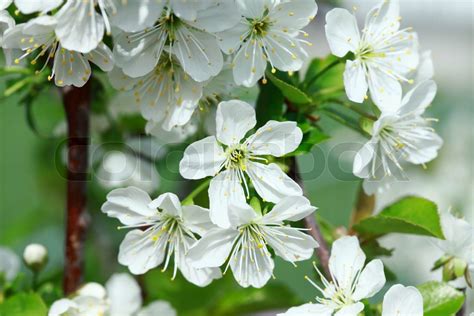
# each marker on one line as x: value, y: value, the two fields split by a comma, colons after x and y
x: 322, y: 251
x: 77, y: 107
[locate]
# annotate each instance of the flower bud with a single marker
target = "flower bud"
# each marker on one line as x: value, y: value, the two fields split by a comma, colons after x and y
x: 35, y: 256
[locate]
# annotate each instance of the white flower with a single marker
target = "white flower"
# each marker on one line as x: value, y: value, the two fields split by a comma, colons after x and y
x: 399, y: 134
x: 166, y: 95
x: 9, y: 263
x: 6, y: 22
x: 268, y: 31
x: 169, y: 231
x: 245, y: 244
x: 350, y: 284
x: 28, y: 6
x: 120, y: 169
x: 35, y: 256
x: 400, y: 301
x: 121, y: 296
x: 184, y: 34
x: 207, y: 157
x: 176, y: 135
x: 384, y: 55
x: 36, y: 38
x: 459, y: 238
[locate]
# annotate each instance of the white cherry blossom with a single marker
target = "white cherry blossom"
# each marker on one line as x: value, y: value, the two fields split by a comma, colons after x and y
x: 400, y: 300
x: 268, y: 32
x: 90, y: 299
x: 400, y: 134
x: 9, y: 263
x: 384, y: 55
x: 6, y: 22
x: 28, y: 6
x: 240, y: 158
x: 245, y: 244
x: 351, y: 282
x: 37, y: 39
x: 185, y: 34
x: 169, y: 230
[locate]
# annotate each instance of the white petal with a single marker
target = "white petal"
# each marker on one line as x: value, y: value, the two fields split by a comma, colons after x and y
x: 28, y: 6
x: 425, y: 69
x: 351, y: 310
x: 253, y: 9
x: 92, y: 289
x: 41, y: 25
x: 400, y: 300
x: 362, y: 160
x: 385, y: 90
x: 129, y: 205
x: 197, y: 219
x: 309, y: 310
x: 169, y: 203
x: 233, y: 120
x: 5, y: 4
x: 425, y: 149
x: 198, y: 53
x: 231, y: 39
x: 355, y: 81
x: 70, y: 68
x: 202, y: 159
x: 224, y: 190
x: 292, y: 208
x: 241, y: 214
x: 6, y: 23
x: 254, y: 271
x: 124, y: 294
x: 294, y: 14
x: 459, y: 236
x: 9, y: 263
x: 63, y: 306
x: 290, y: 244
x: 347, y: 259
x: 132, y: 16
x: 213, y: 249
x: 161, y: 308
x: 342, y: 32
x: 79, y: 27
x: 102, y: 56
x: 371, y: 280
x: 140, y: 251
x: 283, y: 51
x: 419, y: 98
x: 249, y: 63
x: 220, y: 16
x: 384, y: 18
x: 275, y: 138
x: 271, y: 183
x: 187, y: 9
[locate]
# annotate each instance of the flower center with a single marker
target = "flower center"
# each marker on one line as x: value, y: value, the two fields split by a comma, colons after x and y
x: 260, y: 26
x: 237, y: 157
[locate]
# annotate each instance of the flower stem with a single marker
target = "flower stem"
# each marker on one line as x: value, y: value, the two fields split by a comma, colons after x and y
x: 309, y: 221
x: 77, y: 107
x: 189, y: 199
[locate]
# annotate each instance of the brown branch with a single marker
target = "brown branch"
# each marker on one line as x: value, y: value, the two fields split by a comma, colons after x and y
x: 322, y: 251
x: 77, y: 107
x: 364, y: 208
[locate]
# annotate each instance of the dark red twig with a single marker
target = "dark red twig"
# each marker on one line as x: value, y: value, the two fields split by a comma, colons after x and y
x: 77, y: 107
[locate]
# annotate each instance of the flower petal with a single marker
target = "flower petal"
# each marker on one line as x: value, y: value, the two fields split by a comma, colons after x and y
x: 371, y: 280
x: 347, y: 259
x: 167, y: 202
x: 63, y: 306
x: 28, y: 6
x: 283, y: 51
x: 295, y: 14
x: 252, y: 271
x: 202, y: 159
x: 161, y: 308
x: 197, y: 219
x: 385, y: 90
x: 363, y: 158
x: 249, y: 63
x: 384, y: 18
x: 271, y: 183
x: 124, y: 294
x: 291, y: 208
x: 128, y: 205
x: 224, y: 190
x: 419, y: 98
x: 218, y: 17
x: 355, y: 81
x: 102, y: 56
x: 92, y: 289
x: 342, y: 32
x: 231, y: 39
x: 70, y: 68
x: 309, y: 310
x: 234, y: 119
x: 289, y: 243
x: 213, y: 249
x: 351, y: 310
x: 133, y: 16
x: 241, y: 214
x: 275, y: 138
x: 400, y: 300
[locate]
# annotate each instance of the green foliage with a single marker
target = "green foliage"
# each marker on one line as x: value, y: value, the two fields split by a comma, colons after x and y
x: 312, y: 135
x: 410, y: 215
x: 291, y: 92
x: 440, y: 299
x: 23, y: 304
x: 324, y: 78
x: 269, y: 104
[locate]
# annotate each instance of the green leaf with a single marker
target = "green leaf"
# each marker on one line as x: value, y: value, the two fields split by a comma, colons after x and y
x: 440, y: 299
x: 24, y: 304
x: 324, y: 81
x: 269, y: 104
x: 410, y: 215
x: 292, y: 93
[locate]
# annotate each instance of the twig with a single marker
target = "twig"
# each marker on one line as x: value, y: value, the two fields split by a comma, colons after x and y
x: 322, y: 251
x: 77, y: 107
x: 364, y: 208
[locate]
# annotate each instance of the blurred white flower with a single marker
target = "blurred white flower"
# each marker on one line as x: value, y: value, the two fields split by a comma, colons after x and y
x: 169, y: 230
x: 399, y: 134
x: 351, y: 282
x: 400, y: 300
x: 207, y: 157
x: 245, y: 244
x: 183, y: 30
x: 176, y: 135
x: 121, y: 296
x: 37, y: 38
x: 6, y: 22
x: 9, y: 263
x: 268, y: 32
x: 28, y: 6
x: 35, y: 256
x: 120, y: 169
x: 384, y: 55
